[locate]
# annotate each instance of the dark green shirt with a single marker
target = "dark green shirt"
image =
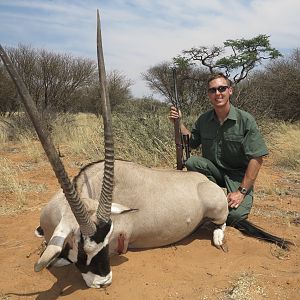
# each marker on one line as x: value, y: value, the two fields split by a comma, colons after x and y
x: 231, y: 145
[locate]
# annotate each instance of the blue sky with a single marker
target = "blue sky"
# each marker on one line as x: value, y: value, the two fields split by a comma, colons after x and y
x: 138, y: 34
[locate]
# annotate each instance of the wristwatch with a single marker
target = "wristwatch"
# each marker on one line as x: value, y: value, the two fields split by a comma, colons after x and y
x: 242, y: 190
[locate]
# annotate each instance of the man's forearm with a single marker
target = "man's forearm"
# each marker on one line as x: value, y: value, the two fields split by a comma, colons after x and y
x: 251, y: 172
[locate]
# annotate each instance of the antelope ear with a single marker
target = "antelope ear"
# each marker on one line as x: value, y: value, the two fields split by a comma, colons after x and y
x: 90, y: 204
x: 117, y: 209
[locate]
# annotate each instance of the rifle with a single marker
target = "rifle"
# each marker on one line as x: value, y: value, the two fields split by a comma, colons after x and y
x: 181, y: 140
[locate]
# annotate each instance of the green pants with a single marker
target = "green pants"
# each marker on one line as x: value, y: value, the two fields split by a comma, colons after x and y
x: 228, y: 180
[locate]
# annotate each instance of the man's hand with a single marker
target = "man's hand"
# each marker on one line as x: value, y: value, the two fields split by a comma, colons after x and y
x: 174, y: 113
x: 234, y: 199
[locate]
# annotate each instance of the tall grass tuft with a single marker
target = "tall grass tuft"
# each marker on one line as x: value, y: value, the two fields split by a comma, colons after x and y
x: 80, y: 135
x: 31, y: 148
x: 5, y: 130
x: 143, y: 139
x: 15, y: 126
x: 10, y: 183
x: 284, y: 145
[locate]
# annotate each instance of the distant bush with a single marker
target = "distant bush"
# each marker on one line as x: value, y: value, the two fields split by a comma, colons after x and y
x: 273, y: 92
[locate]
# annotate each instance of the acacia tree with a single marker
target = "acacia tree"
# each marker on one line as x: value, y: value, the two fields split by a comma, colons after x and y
x: 236, y: 58
x: 244, y: 56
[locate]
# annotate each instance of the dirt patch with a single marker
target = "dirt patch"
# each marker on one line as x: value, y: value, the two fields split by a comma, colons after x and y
x: 191, y: 269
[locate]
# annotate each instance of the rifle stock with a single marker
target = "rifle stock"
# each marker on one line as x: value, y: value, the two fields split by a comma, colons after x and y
x: 179, y: 145
x: 186, y: 146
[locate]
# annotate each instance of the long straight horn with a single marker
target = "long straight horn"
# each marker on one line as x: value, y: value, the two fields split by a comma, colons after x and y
x: 104, y: 207
x: 87, y: 227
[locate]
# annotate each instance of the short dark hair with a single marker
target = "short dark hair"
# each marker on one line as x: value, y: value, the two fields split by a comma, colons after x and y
x: 218, y: 75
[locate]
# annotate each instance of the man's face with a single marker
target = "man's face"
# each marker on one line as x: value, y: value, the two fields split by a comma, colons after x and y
x: 219, y: 93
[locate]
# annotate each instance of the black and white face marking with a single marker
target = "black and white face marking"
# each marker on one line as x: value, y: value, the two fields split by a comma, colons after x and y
x: 93, y: 257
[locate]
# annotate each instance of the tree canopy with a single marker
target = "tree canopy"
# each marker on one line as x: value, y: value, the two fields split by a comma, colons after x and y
x: 236, y: 58
x: 58, y: 82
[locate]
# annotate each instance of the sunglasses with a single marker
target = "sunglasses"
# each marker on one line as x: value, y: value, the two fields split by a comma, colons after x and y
x: 220, y: 89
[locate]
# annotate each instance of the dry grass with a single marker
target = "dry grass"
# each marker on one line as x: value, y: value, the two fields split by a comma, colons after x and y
x: 79, y: 135
x: 284, y: 145
x: 144, y: 140
x: 10, y: 184
x: 279, y: 252
x: 32, y: 148
x: 245, y: 287
x: 140, y: 137
x: 6, y: 129
x: 13, y: 188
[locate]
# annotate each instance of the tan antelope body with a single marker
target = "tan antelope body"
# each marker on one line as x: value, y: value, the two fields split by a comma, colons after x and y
x: 169, y: 206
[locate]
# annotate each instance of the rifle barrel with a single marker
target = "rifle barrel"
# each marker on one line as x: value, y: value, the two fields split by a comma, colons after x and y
x: 176, y: 102
x: 178, y: 136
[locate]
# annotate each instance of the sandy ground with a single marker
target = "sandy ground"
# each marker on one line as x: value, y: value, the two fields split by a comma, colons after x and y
x: 190, y: 269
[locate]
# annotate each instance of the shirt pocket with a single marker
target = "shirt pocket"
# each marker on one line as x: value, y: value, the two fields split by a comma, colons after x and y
x: 233, y: 151
x: 208, y: 146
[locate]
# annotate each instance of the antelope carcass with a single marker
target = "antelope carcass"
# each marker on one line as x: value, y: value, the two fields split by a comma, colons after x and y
x: 151, y: 208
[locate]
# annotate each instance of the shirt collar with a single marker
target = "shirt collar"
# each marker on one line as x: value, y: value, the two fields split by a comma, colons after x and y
x: 232, y: 114
x: 212, y: 115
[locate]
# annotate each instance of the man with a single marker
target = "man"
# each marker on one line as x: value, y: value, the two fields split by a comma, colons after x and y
x: 232, y: 147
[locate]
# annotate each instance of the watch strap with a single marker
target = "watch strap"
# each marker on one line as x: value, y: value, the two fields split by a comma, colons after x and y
x: 243, y: 190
